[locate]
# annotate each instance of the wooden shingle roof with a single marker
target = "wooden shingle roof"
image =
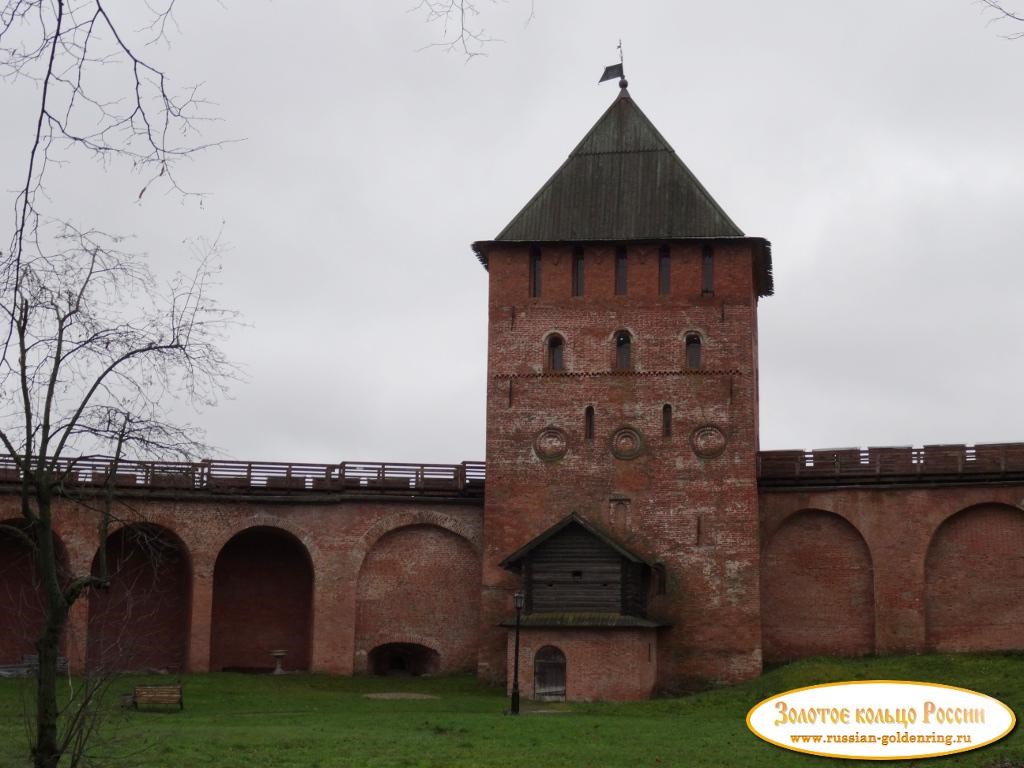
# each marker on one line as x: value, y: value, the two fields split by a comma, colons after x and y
x: 622, y: 182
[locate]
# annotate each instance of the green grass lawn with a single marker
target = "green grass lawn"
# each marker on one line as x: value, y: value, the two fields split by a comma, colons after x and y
x: 312, y: 720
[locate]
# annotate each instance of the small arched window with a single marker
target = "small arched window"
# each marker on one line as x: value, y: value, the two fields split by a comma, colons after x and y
x: 692, y: 350
x: 588, y: 423
x: 556, y: 353
x: 623, y: 351
x: 666, y: 420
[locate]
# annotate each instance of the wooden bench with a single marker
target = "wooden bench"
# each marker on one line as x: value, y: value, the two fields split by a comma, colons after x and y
x: 158, y: 694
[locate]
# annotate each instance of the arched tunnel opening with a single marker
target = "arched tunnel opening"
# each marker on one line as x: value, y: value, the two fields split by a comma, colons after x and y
x: 403, y: 659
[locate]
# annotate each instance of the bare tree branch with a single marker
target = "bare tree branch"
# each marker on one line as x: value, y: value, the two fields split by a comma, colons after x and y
x: 1002, y: 10
x: 96, y: 349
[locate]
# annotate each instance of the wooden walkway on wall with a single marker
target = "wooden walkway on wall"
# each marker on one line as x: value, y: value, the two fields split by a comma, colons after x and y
x: 931, y: 464
x: 265, y: 478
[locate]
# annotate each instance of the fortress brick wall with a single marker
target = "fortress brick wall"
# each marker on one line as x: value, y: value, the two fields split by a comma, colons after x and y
x: 203, y: 583
x: 848, y: 565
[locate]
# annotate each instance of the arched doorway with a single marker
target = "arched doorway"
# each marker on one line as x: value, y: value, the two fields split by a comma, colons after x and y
x: 22, y: 599
x: 549, y: 674
x: 817, y: 589
x: 262, y: 602
x: 403, y: 659
x: 141, y: 621
x: 974, y: 580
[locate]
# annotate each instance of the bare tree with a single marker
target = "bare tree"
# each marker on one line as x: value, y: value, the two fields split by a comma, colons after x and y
x: 96, y: 349
x: 460, y: 24
x: 1004, y: 10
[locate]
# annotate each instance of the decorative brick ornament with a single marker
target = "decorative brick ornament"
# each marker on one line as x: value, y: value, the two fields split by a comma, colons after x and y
x: 707, y: 441
x: 627, y: 443
x: 550, y: 444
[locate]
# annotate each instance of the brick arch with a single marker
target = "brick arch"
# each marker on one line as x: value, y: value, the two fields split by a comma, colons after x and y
x: 419, y: 583
x: 414, y: 517
x: 268, y: 520
x: 817, y: 588
x: 141, y: 621
x: 22, y: 598
x: 262, y: 600
x: 974, y: 580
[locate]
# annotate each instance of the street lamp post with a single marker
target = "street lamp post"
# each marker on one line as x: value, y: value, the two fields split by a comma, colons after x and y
x: 520, y: 600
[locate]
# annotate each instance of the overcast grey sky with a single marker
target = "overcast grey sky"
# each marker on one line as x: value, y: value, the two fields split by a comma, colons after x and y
x: 876, y: 144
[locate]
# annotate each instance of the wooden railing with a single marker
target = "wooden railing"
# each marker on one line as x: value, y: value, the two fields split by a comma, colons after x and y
x: 465, y: 479
x: 932, y: 463
x: 907, y: 464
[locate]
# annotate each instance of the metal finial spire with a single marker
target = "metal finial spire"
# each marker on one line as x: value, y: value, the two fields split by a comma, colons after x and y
x: 622, y: 63
x: 616, y: 70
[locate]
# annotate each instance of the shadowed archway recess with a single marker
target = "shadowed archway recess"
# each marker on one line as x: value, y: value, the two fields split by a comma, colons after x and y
x: 141, y: 621
x: 420, y: 584
x: 262, y: 602
x: 817, y: 589
x: 399, y: 659
x: 22, y: 599
x: 974, y: 581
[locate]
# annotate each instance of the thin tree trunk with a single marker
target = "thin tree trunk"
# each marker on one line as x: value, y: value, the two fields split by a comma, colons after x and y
x: 47, y: 752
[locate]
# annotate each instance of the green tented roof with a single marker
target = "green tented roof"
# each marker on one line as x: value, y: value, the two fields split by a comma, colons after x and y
x: 622, y: 182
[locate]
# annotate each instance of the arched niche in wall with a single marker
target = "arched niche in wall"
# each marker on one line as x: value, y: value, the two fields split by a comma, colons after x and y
x: 974, y: 581
x: 141, y: 621
x: 22, y: 599
x: 420, y: 584
x: 262, y: 602
x: 817, y: 589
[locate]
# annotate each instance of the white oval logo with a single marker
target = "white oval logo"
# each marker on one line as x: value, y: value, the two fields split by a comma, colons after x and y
x: 881, y: 720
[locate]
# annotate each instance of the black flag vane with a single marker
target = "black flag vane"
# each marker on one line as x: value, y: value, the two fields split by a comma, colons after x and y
x: 616, y: 70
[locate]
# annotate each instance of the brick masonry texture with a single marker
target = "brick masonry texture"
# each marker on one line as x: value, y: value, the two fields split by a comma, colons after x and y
x: 696, y: 516
x: 262, y: 576
x: 619, y: 664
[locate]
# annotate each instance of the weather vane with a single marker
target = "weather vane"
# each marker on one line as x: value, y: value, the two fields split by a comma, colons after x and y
x: 616, y: 70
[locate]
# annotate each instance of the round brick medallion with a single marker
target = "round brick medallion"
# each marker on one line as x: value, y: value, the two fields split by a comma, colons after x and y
x: 707, y: 441
x: 627, y: 443
x: 550, y: 444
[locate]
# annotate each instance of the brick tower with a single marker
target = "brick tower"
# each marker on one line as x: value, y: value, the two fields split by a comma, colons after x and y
x: 622, y: 426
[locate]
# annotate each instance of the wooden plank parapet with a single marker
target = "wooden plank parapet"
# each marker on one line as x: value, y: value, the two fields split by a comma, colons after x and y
x: 262, y: 478
x: 993, y: 462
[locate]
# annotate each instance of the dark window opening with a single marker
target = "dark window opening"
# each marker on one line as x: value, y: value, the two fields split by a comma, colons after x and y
x: 623, y: 350
x: 577, y: 272
x: 658, y: 576
x: 588, y: 423
x: 708, y: 272
x: 556, y: 353
x: 620, y: 271
x: 664, y: 271
x: 534, y: 272
x: 693, y: 351
x: 666, y: 420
